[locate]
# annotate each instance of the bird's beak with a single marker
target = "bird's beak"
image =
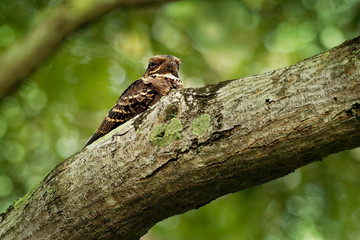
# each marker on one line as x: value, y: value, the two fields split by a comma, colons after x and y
x: 173, y: 69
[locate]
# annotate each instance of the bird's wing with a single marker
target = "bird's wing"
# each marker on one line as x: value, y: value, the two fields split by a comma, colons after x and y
x: 137, y: 98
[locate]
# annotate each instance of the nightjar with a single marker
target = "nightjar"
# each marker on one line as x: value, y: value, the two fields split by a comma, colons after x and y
x: 161, y: 75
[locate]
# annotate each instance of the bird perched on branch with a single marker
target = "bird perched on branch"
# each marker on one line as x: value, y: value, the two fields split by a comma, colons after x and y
x: 161, y: 75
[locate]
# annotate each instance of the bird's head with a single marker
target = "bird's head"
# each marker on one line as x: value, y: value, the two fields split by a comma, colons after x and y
x: 163, y: 65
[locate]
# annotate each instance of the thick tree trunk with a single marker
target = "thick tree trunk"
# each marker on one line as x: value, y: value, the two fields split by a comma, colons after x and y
x: 22, y: 58
x: 194, y: 146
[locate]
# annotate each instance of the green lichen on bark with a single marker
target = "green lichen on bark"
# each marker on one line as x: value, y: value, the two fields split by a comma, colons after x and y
x: 164, y: 134
x: 21, y: 201
x: 49, y: 192
x: 201, y: 124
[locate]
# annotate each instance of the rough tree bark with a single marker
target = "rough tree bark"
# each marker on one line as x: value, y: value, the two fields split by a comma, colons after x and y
x: 194, y: 146
x: 23, y: 57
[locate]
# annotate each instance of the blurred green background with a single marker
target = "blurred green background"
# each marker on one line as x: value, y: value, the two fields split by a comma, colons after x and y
x: 57, y: 108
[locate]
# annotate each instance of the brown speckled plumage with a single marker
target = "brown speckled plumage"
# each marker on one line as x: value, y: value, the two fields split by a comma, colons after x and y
x: 160, y: 77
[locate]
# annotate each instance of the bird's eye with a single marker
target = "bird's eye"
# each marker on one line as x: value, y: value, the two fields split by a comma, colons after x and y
x: 152, y: 64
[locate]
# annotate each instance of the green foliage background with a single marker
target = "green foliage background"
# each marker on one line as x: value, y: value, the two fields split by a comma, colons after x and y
x: 57, y: 108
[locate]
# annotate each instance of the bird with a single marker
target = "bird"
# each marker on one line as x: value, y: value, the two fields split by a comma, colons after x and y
x: 160, y: 77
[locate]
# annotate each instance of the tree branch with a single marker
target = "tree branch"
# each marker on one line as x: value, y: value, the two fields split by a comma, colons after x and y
x: 23, y: 57
x: 194, y: 146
